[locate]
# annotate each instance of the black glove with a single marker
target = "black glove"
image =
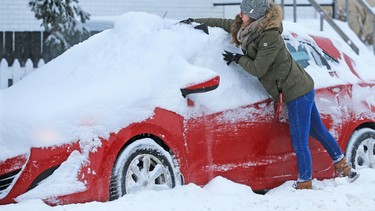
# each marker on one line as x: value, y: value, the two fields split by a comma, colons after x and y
x: 231, y: 57
x: 187, y: 21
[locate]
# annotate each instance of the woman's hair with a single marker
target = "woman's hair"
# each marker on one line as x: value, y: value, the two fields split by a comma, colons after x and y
x: 237, y: 24
x: 235, y: 28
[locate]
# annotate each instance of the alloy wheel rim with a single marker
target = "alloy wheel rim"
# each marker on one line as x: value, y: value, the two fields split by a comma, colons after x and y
x: 365, y: 155
x: 147, y: 172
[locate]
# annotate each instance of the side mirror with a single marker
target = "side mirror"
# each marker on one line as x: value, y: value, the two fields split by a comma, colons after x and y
x: 206, y: 86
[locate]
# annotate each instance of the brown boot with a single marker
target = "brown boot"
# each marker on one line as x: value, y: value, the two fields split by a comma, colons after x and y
x: 344, y: 169
x: 303, y: 185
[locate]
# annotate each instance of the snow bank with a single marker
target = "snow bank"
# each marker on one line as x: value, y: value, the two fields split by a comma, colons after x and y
x: 222, y: 195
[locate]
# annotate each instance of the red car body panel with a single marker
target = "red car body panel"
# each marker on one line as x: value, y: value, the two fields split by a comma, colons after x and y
x: 12, y: 164
x: 40, y: 160
x: 327, y: 45
x: 164, y: 124
x: 254, y: 148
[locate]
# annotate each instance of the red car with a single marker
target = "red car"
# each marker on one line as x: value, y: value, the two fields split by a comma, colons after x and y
x: 248, y: 144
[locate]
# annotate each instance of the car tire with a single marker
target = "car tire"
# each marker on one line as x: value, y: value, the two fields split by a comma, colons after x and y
x: 143, y: 165
x: 361, y: 149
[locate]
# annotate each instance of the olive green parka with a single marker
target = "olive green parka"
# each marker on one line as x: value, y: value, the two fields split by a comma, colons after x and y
x: 266, y: 57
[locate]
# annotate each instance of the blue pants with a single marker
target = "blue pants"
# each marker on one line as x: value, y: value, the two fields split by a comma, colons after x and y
x: 304, y: 119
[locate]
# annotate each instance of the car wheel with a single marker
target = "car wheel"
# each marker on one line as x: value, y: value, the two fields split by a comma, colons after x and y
x: 361, y: 149
x: 143, y: 165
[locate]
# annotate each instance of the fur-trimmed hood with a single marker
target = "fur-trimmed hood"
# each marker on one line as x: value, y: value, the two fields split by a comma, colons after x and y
x: 272, y: 18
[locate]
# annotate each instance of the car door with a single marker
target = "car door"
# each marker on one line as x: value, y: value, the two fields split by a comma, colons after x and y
x: 247, y: 144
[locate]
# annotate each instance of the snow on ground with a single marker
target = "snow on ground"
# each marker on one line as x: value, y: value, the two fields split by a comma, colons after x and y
x: 219, y: 194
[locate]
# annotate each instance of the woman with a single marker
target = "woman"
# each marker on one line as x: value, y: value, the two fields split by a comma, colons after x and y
x: 257, y: 29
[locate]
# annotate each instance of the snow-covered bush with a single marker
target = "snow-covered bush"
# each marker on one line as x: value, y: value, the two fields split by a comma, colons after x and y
x: 63, y: 20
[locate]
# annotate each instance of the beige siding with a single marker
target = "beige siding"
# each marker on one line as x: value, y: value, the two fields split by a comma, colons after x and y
x: 15, y: 15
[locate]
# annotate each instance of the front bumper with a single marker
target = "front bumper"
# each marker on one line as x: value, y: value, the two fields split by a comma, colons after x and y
x: 22, y: 173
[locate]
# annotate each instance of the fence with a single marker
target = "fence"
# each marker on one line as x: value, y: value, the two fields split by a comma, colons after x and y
x: 10, y: 75
x: 23, y: 52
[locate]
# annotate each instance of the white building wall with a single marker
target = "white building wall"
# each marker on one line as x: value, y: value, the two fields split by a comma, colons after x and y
x: 172, y: 8
x: 15, y: 15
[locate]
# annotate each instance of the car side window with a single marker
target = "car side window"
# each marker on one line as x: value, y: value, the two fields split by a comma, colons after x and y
x: 304, y: 54
x: 299, y: 54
